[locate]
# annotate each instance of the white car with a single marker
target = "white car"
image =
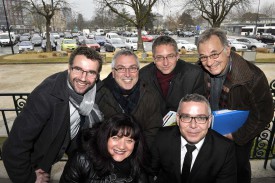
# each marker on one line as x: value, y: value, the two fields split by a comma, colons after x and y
x: 236, y: 45
x: 251, y: 43
x: 186, y: 45
x: 131, y: 43
x: 25, y: 46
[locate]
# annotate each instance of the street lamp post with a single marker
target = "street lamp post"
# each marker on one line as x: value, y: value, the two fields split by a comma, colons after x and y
x: 255, y: 31
x: 8, y: 27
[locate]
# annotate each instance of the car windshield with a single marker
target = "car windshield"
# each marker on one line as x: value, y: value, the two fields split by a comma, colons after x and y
x: 254, y: 41
x: 90, y: 41
x: 69, y: 41
x: 25, y: 43
x: 4, y: 37
x: 134, y: 40
x: 117, y: 41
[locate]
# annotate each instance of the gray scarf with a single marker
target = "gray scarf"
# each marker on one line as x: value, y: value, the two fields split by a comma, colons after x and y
x: 216, y: 87
x: 84, y: 112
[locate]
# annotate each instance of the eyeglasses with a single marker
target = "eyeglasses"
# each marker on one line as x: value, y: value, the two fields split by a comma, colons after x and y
x: 212, y: 56
x: 124, y: 69
x: 162, y: 58
x: 198, y: 119
x: 79, y: 71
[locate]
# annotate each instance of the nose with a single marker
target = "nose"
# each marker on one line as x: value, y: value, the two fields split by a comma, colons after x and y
x: 193, y: 123
x: 127, y: 72
x: 83, y: 76
x: 210, y: 62
x: 165, y: 61
x: 121, y: 144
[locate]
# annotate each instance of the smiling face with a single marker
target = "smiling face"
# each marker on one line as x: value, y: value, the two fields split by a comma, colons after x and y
x: 120, y: 147
x: 167, y: 65
x: 126, y: 80
x: 80, y: 82
x: 214, y: 46
x: 193, y: 132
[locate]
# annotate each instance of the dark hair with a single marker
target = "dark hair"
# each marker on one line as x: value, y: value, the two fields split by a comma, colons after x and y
x: 194, y: 98
x: 206, y: 35
x: 96, y: 138
x: 87, y: 52
x: 164, y: 40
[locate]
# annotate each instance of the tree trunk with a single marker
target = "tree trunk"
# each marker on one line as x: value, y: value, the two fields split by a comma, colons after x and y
x: 140, y: 42
x: 48, y: 41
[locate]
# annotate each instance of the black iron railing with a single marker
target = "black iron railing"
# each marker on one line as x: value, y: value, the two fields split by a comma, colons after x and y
x: 14, y: 102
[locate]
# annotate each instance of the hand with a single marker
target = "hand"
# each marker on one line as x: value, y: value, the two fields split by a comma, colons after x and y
x: 229, y: 136
x: 42, y: 176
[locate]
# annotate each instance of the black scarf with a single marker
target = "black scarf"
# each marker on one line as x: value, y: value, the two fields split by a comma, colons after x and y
x: 127, y: 99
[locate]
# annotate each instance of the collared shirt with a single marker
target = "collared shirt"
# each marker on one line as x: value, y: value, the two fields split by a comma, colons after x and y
x: 194, y: 153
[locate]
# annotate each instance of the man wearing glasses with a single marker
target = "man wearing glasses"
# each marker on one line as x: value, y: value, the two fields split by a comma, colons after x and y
x: 234, y: 83
x: 190, y: 151
x: 171, y: 77
x: 131, y: 95
x: 52, y: 119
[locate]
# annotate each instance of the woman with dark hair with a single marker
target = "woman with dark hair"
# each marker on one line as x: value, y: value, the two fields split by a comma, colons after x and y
x: 113, y: 151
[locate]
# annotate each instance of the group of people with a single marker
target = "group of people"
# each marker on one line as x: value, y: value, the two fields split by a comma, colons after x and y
x: 111, y: 129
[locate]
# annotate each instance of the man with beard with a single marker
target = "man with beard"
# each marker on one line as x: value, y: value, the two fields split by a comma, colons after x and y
x: 131, y: 95
x: 52, y: 119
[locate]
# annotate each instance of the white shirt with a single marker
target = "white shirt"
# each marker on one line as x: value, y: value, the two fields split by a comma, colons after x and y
x: 194, y: 153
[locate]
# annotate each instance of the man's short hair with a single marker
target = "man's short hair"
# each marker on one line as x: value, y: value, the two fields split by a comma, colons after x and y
x: 87, y: 52
x: 194, y: 98
x: 164, y: 40
x: 210, y: 32
x: 124, y: 52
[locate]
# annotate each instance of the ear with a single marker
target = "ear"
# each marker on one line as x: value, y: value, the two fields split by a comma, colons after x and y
x: 228, y: 50
x: 178, y: 119
x: 209, y: 121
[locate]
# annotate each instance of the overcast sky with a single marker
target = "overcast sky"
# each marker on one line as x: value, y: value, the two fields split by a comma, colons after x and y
x: 87, y: 7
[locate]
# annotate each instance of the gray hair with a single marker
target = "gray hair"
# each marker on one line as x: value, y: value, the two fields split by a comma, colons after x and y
x: 194, y: 98
x: 125, y: 52
x: 206, y: 35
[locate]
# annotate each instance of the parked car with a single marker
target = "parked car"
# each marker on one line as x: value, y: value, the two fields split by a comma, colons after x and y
x: 55, y: 35
x: 36, y: 40
x: 25, y: 46
x: 80, y: 39
x: 186, y: 45
x: 267, y: 39
x: 131, y: 43
x: 68, y: 35
x: 24, y: 38
x: 91, y: 36
x: 111, y: 35
x: 147, y: 38
x: 68, y: 44
x: 236, y: 45
x: 186, y: 34
x: 91, y: 43
x: 113, y: 44
x: 43, y: 45
x: 252, y: 44
x: 100, y: 40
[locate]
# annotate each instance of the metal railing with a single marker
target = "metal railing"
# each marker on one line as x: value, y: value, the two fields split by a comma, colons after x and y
x: 263, y: 144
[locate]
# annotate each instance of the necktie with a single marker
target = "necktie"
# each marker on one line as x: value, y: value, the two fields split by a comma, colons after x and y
x: 187, y: 163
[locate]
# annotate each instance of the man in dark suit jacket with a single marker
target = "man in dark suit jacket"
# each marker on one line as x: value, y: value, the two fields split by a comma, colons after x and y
x: 171, y: 77
x: 213, y: 160
x: 49, y: 124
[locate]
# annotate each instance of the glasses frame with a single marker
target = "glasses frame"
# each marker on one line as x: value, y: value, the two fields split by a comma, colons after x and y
x: 212, y: 56
x: 124, y: 69
x: 194, y: 118
x: 168, y: 58
x: 79, y: 71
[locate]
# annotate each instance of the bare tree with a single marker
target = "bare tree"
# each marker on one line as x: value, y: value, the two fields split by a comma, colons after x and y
x: 137, y: 6
x: 46, y: 9
x: 215, y: 11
